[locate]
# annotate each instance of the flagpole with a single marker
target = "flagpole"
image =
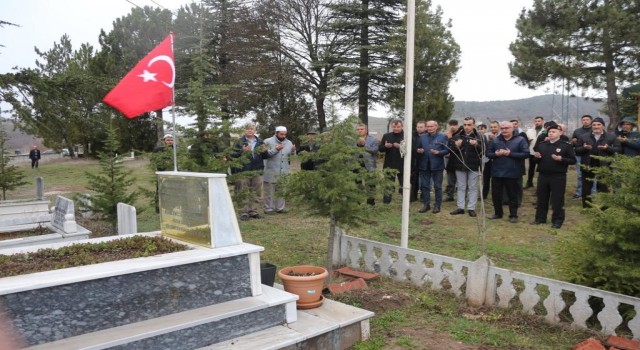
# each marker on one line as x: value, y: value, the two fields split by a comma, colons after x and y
x: 408, y: 125
x: 173, y: 119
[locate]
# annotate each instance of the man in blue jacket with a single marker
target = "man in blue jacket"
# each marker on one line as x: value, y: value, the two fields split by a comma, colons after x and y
x: 508, y: 152
x: 431, y: 150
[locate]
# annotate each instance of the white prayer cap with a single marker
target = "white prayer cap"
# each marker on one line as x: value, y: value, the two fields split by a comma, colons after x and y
x: 167, y: 136
x: 281, y: 129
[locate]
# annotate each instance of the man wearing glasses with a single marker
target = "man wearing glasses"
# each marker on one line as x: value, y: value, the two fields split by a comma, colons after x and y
x: 508, y: 152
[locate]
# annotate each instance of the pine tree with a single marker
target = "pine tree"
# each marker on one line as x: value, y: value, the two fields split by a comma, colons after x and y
x: 10, y: 176
x: 436, y: 61
x: 111, y: 185
x: 605, y: 253
x: 339, y: 186
x: 365, y: 29
x: 592, y: 44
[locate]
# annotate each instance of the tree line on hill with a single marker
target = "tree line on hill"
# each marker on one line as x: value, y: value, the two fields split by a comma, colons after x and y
x: 291, y: 62
x: 282, y: 62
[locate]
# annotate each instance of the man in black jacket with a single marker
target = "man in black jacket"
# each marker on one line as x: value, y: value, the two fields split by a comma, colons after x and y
x: 578, y: 134
x: 34, y: 155
x: 554, y: 157
x: 466, y: 157
x: 597, y: 143
x: 390, y: 145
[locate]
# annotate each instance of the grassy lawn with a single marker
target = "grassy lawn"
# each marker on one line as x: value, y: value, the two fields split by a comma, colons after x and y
x: 407, y: 317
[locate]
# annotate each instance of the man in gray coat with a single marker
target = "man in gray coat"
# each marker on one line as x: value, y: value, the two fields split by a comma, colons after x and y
x: 368, y: 158
x: 279, y: 148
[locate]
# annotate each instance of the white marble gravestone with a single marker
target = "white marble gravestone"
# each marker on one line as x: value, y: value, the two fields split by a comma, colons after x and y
x: 64, y: 216
x: 127, y: 221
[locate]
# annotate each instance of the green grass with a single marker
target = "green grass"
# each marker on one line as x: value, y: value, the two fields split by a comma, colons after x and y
x: 295, y: 238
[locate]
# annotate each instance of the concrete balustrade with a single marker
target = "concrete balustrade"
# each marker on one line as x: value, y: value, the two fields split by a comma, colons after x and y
x: 483, y: 284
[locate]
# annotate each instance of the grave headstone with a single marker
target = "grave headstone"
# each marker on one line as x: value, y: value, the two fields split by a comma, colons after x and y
x: 127, y: 222
x: 197, y: 208
x: 64, y: 217
x: 39, y: 188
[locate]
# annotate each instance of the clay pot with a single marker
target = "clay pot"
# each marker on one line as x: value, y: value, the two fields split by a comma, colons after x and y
x: 307, y: 284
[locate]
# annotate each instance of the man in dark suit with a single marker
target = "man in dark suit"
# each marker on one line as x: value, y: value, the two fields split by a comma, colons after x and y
x: 34, y: 155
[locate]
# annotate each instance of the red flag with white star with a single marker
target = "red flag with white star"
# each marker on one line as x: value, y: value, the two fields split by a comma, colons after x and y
x: 149, y: 85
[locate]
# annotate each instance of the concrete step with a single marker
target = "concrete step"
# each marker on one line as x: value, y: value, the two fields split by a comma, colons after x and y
x: 331, y: 326
x: 191, y: 329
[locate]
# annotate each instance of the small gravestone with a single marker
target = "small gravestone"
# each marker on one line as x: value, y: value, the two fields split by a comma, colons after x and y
x: 127, y: 222
x: 39, y: 188
x: 64, y: 217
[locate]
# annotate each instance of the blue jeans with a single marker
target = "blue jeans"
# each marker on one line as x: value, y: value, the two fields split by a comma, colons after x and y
x: 426, y: 177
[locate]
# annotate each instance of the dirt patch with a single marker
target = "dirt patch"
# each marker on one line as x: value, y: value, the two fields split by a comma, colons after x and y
x: 392, y: 234
x: 380, y: 301
x: 425, y: 338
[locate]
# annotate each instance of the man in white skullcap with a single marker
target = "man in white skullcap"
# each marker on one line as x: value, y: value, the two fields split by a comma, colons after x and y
x: 279, y: 148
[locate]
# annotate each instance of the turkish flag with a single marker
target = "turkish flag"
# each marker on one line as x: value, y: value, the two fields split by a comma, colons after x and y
x: 149, y: 85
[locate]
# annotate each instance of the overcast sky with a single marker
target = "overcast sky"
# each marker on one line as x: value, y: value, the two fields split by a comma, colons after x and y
x: 483, y: 29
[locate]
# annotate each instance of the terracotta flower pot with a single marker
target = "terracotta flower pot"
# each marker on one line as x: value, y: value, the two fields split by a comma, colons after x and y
x: 306, y: 282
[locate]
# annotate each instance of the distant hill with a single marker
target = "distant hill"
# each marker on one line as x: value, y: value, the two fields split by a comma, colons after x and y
x: 523, y: 109
x: 17, y: 141
x: 548, y: 106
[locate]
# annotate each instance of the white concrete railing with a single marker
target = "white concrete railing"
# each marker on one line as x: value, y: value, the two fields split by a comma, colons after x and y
x: 556, y: 301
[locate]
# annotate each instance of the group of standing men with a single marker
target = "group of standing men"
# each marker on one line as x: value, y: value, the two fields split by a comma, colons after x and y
x: 267, y: 160
x: 498, y: 155
x: 467, y: 152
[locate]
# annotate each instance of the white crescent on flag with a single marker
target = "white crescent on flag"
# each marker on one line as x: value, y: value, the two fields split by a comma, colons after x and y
x: 170, y: 63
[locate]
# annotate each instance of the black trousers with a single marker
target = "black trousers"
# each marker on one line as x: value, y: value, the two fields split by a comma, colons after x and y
x: 511, y: 189
x: 532, y: 170
x: 486, y: 179
x: 519, y: 192
x: 451, y: 183
x: 387, y: 197
x: 551, y: 188
x: 415, y: 184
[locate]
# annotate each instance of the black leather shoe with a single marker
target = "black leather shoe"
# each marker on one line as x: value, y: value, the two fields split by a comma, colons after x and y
x: 424, y: 209
x: 555, y: 226
x: 457, y: 212
x: 436, y: 210
x: 537, y: 223
x: 513, y: 219
x: 494, y: 217
x: 472, y: 213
